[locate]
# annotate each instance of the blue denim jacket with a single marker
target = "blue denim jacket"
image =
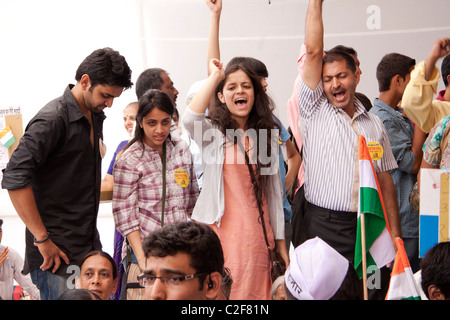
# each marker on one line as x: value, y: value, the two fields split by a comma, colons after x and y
x: 400, y: 131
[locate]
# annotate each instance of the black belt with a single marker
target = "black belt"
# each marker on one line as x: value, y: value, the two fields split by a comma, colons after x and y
x: 332, y: 214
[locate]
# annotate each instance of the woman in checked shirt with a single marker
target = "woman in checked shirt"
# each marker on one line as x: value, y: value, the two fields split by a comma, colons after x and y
x: 138, y: 175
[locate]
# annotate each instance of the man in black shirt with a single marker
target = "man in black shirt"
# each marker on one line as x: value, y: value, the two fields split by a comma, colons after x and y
x: 53, y: 177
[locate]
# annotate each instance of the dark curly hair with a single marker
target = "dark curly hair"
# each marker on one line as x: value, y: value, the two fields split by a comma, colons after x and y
x: 435, y: 267
x: 197, y: 240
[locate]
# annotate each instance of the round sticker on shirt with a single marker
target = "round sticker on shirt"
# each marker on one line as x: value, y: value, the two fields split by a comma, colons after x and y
x: 182, y: 177
x: 375, y: 150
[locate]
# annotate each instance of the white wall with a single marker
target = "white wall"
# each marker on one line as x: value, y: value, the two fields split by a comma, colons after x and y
x: 43, y: 42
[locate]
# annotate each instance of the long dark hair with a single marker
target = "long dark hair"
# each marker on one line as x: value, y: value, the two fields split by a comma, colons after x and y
x: 150, y: 100
x: 260, y: 118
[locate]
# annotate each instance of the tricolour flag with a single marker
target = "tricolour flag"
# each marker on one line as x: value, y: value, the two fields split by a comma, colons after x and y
x: 402, y: 285
x: 7, y: 137
x: 379, y: 247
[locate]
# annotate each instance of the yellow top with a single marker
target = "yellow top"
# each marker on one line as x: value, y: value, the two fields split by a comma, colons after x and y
x: 418, y: 100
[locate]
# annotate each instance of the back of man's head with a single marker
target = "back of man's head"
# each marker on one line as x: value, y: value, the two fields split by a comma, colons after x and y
x: 149, y: 79
x: 435, y: 268
x: 445, y: 69
x: 391, y: 65
x: 105, y: 67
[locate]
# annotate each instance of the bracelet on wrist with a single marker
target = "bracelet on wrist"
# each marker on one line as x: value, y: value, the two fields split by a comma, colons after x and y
x: 41, y: 241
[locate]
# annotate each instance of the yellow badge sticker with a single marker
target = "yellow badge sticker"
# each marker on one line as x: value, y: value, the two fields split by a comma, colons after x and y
x: 375, y: 150
x: 182, y: 177
x: 279, y: 140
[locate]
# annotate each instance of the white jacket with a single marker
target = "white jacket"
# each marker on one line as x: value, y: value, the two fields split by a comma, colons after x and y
x: 210, y: 205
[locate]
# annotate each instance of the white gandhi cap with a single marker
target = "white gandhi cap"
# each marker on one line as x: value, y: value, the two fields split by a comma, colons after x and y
x: 316, y: 271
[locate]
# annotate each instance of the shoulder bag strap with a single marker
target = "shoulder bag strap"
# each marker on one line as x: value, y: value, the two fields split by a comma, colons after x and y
x: 163, y: 203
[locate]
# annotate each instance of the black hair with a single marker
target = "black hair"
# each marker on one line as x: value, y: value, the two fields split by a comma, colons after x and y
x: 150, y: 100
x: 260, y: 118
x: 227, y: 282
x: 149, y: 79
x: 78, y: 294
x: 256, y: 65
x: 105, y: 67
x: 391, y: 65
x: 445, y: 69
x: 176, y: 113
x: 343, y: 48
x: 197, y: 240
x: 337, y: 55
x: 435, y: 267
x: 105, y: 255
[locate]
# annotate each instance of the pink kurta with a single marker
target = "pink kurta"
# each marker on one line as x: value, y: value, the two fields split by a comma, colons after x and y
x: 241, y: 234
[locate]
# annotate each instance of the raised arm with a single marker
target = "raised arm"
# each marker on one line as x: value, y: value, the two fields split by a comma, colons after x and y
x: 418, y: 97
x: 439, y: 50
x: 213, y: 40
x: 314, y: 44
x: 200, y: 101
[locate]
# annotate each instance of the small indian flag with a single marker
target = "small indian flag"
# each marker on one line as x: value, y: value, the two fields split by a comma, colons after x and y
x: 7, y: 137
x: 402, y: 285
x: 379, y: 247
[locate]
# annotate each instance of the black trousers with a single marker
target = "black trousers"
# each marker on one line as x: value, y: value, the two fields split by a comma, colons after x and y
x: 337, y: 228
x: 298, y: 209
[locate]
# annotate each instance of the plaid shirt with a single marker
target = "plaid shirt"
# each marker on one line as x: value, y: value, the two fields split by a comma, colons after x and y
x: 138, y: 182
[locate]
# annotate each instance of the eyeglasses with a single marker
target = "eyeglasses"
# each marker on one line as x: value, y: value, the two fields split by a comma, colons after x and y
x: 147, y: 280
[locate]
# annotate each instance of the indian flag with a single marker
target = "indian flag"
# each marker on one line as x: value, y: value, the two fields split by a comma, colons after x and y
x: 379, y: 247
x: 402, y: 286
x: 6, y: 137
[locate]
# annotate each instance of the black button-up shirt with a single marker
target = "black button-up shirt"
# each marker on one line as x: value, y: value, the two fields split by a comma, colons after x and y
x: 56, y: 157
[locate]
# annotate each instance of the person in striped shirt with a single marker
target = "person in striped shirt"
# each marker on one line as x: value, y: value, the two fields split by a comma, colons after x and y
x: 331, y: 120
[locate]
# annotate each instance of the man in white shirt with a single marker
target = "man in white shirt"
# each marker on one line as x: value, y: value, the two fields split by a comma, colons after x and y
x: 331, y: 120
x: 11, y: 265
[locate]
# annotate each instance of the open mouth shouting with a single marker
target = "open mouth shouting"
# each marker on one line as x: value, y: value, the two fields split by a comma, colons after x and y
x: 241, y: 103
x: 339, y: 96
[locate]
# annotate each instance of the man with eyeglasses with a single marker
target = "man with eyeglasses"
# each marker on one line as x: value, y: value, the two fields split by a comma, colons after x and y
x: 184, y: 261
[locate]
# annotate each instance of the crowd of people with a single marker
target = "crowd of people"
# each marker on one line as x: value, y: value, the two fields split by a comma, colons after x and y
x: 204, y: 203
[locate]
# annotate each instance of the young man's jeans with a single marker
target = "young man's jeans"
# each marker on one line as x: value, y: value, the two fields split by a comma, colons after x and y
x: 49, y: 284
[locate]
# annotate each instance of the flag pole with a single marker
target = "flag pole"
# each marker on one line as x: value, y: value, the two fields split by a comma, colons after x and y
x: 364, y: 260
